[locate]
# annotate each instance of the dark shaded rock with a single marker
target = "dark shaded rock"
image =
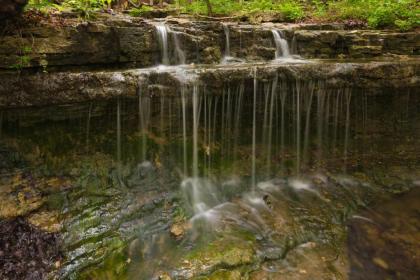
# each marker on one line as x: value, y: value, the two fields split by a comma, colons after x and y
x: 26, y: 252
x: 385, y: 242
x: 11, y: 8
x: 355, y: 44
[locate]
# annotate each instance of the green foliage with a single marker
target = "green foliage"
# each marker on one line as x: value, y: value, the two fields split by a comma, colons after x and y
x: 259, y: 5
x: 402, y: 14
x: 219, y: 7
x: 319, y: 8
x: 137, y: 12
x: 83, y: 6
x: 293, y: 11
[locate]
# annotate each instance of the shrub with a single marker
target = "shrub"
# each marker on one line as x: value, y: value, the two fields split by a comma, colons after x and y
x: 292, y: 11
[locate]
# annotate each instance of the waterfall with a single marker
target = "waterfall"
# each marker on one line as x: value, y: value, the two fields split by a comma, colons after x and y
x: 227, y: 35
x: 195, y: 130
x: 144, y: 118
x: 184, y: 130
x: 162, y: 32
x: 254, y: 128
x: 282, y: 47
x: 298, y: 87
x: 346, y: 138
x: 178, y: 50
x: 270, y: 125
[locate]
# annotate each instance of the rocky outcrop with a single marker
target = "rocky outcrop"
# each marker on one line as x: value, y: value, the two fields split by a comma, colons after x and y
x: 132, y: 42
x: 355, y: 44
x: 83, y: 44
x: 39, y: 89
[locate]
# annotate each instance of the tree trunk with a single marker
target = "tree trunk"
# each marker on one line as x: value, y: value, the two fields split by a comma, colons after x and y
x: 11, y: 8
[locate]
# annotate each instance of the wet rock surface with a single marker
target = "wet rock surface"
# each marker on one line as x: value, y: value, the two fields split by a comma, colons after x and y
x: 27, y: 252
x: 384, y: 241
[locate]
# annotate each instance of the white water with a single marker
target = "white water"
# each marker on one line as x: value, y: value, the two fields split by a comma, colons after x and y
x: 227, y: 56
x: 162, y: 32
x: 178, y: 50
x: 210, y: 133
x: 254, y: 129
x: 178, y: 55
x: 144, y: 118
x: 184, y: 130
x: 282, y: 47
x: 195, y: 130
x: 227, y: 36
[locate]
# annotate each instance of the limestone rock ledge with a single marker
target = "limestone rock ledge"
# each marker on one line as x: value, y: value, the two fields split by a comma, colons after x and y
x: 39, y: 89
x: 124, y: 41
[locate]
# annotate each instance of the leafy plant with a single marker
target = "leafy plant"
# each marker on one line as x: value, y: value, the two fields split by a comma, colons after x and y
x: 23, y: 60
x: 292, y: 10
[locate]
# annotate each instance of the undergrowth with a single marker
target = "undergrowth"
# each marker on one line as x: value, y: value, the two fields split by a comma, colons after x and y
x: 401, y: 14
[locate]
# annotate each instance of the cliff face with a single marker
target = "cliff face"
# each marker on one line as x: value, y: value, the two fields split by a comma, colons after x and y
x: 125, y: 42
x: 81, y: 61
x: 11, y: 8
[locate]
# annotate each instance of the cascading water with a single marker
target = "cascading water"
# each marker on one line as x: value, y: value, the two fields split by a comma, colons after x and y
x: 256, y: 156
x: 206, y: 197
x: 227, y: 40
x: 254, y: 130
x: 178, y: 50
x: 162, y: 32
x: 227, y: 56
x: 282, y: 47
